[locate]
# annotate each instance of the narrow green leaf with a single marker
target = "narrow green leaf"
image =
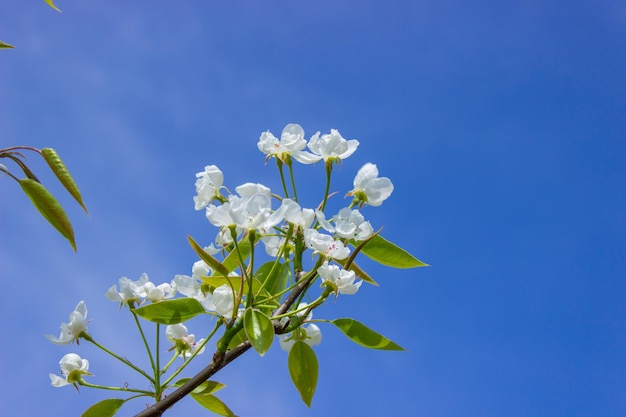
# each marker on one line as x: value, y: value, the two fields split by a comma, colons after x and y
x: 303, y: 370
x: 51, y: 4
x: 386, y: 253
x: 275, y: 276
x: 364, y: 336
x: 233, y: 282
x: 172, y: 311
x: 231, y: 262
x: 104, y: 408
x: 63, y: 174
x: 206, y: 388
x: 358, y: 271
x: 214, y: 404
x: 4, y: 45
x: 206, y: 257
x: 49, y: 208
x: 259, y: 329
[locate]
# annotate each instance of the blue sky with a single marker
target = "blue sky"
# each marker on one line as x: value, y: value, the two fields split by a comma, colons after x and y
x: 501, y: 125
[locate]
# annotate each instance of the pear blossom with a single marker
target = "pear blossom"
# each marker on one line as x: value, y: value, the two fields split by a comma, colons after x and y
x: 200, y: 269
x: 184, y: 343
x: 249, y: 189
x: 71, y: 331
x: 136, y: 291
x: 156, y: 293
x: 224, y: 300
x: 291, y: 144
x: 273, y: 243
x: 129, y: 290
x: 341, y: 278
x: 368, y: 188
x: 310, y: 334
x: 208, y: 184
x: 349, y: 224
x: 325, y: 244
x: 191, y: 286
x: 333, y: 146
x: 251, y: 209
x: 73, y: 367
x: 293, y: 213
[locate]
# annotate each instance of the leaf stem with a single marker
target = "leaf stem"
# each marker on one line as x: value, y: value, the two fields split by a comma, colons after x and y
x: 123, y: 360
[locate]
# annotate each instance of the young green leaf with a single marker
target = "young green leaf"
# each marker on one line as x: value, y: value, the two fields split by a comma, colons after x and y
x: 233, y: 282
x: 386, y: 253
x: 303, y: 370
x: 51, y: 4
x: 49, y: 208
x: 60, y: 170
x: 274, y: 276
x: 104, y: 408
x: 206, y: 257
x: 4, y: 45
x: 364, y: 336
x: 214, y: 404
x: 259, y: 329
x: 231, y: 262
x: 173, y: 311
x: 206, y: 388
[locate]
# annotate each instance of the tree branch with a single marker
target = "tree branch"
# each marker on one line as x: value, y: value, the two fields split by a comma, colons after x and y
x: 220, y: 360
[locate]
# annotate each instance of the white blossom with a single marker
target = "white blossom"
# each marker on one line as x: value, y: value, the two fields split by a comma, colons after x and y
x: 351, y: 224
x: 129, y: 290
x: 223, y: 298
x: 208, y: 184
x: 72, y: 369
x: 251, y: 209
x: 142, y: 289
x: 291, y: 143
x: 310, y: 333
x: 332, y: 146
x: 71, y: 331
x: 368, y: 188
x: 191, y: 287
x: 325, y: 244
x: 184, y: 343
x: 343, y: 279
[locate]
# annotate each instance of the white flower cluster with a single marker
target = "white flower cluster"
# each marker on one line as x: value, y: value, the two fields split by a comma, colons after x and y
x: 249, y: 210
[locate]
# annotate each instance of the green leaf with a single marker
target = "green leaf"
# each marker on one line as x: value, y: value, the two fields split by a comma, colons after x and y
x: 206, y: 388
x: 49, y: 208
x: 386, y: 253
x: 303, y: 370
x: 173, y: 311
x: 214, y: 404
x: 51, y: 4
x: 60, y: 170
x: 259, y: 329
x: 231, y: 262
x: 275, y: 276
x: 233, y: 282
x: 4, y: 45
x: 104, y: 408
x: 237, y: 339
x: 206, y: 257
x: 364, y: 336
